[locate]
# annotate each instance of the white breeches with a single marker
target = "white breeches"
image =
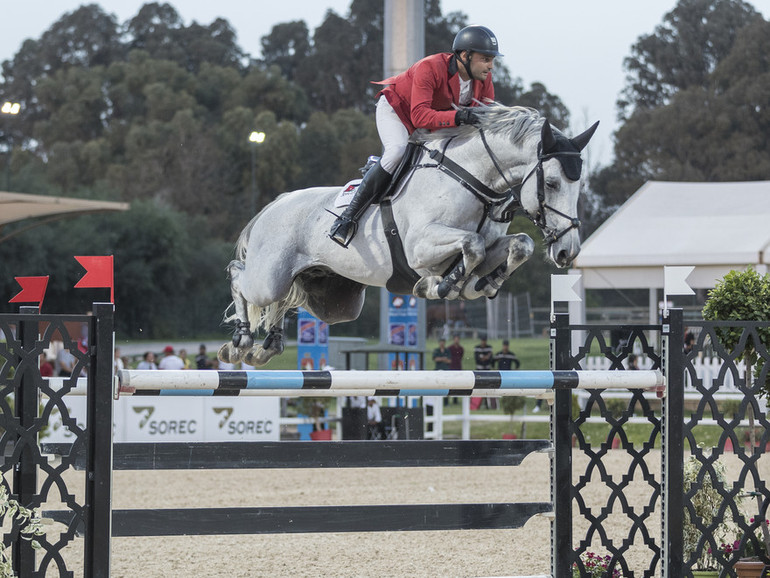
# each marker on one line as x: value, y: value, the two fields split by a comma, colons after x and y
x: 393, y: 135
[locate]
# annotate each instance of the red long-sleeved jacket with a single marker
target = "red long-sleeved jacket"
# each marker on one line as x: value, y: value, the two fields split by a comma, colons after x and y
x: 423, y: 95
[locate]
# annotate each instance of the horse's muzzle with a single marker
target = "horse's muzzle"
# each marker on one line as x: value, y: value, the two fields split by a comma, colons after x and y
x: 563, y: 258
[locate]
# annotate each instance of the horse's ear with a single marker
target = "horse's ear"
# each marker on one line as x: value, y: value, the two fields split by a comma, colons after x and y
x: 581, y: 140
x: 546, y: 137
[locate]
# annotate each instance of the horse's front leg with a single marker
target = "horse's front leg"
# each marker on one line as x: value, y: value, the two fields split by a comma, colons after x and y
x: 272, y: 345
x: 505, y: 256
x: 437, y: 244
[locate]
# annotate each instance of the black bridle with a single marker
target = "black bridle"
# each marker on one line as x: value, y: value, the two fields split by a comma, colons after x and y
x: 510, y: 199
x: 514, y: 192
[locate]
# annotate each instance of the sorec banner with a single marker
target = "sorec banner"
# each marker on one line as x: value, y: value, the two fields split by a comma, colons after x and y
x: 402, y: 330
x: 312, y: 342
x: 181, y: 418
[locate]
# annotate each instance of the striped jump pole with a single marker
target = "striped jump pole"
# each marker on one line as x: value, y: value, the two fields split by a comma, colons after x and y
x: 380, y: 383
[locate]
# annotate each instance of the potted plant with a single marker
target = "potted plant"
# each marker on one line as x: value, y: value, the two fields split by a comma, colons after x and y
x: 315, y: 409
x: 29, y: 521
x: 744, y: 296
x: 705, y: 502
x: 595, y: 566
x: 750, y: 566
x: 512, y: 404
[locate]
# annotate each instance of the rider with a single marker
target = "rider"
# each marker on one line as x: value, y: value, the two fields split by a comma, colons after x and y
x: 423, y: 97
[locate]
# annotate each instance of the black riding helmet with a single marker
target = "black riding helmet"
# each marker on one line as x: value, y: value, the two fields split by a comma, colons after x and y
x: 474, y: 39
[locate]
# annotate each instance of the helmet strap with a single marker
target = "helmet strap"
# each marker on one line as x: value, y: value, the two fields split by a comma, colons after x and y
x: 466, y: 63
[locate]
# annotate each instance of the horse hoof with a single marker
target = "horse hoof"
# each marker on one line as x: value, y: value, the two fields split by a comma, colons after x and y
x: 257, y: 356
x: 420, y: 288
x: 425, y: 288
x: 443, y: 289
x: 229, y: 354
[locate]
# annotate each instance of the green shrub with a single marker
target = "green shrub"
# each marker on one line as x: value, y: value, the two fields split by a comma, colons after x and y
x: 741, y: 296
x: 705, y: 502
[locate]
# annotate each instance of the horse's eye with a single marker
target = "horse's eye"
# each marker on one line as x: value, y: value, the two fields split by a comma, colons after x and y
x: 553, y: 184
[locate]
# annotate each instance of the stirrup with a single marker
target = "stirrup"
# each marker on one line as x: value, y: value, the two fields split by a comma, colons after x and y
x: 343, y: 239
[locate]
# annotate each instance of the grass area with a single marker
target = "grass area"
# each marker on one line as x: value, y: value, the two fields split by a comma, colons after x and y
x: 532, y: 352
x: 593, y: 433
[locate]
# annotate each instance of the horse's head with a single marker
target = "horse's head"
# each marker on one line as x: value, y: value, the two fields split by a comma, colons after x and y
x: 550, y: 190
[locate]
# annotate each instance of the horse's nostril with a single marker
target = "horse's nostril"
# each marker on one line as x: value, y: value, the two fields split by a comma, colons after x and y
x: 562, y: 258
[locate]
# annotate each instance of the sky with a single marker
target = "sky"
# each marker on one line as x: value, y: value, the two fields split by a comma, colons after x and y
x: 576, y: 49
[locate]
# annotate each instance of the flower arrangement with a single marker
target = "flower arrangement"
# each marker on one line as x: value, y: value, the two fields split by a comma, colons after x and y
x: 705, y: 502
x: 596, y: 566
x: 30, y: 527
x: 728, y: 548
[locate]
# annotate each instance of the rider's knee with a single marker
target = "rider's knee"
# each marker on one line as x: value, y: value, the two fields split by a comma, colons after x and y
x: 391, y: 157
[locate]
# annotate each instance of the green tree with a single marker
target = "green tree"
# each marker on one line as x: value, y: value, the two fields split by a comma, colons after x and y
x: 159, y: 30
x: 682, y: 52
x: 319, y: 149
x: 441, y: 29
x: 695, y: 107
x: 286, y: 47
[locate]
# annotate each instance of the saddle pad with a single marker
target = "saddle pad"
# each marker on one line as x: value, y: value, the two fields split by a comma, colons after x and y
x: 346, y: 194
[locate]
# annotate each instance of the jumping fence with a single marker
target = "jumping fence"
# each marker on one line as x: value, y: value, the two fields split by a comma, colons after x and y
x: 649, y: 501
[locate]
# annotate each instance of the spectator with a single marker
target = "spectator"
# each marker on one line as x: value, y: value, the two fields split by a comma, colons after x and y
x: 117, y: 363
x: 505, y: 358
x: 65, y: 363
x: 482, y: 354
x: 456, y: 353
x: 357, y: 401
x: 46, y: 367
x: 632, y: 361
x: 484, y: 358
x: 374, y: 430
x: 441, y: 356
x: 202, y: 360
x: 170, y: 359
x: 689, y: 342
x: 148, y: 361
x: 185, y: 360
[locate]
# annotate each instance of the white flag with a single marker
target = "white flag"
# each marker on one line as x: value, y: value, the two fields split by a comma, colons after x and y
x: 562, y: 288
x: 675, y: 281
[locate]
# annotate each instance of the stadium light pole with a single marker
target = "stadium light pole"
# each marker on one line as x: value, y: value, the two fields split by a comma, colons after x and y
x: 11, y: 109
x: 255, y: 138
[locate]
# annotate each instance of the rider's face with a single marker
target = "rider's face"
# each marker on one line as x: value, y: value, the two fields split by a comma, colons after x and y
x: 481, y: 65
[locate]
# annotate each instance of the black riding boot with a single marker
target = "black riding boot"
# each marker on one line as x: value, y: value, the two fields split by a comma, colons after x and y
x: 344, y: 228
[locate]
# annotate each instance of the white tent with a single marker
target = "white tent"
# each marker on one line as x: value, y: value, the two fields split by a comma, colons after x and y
x: 717, y: 227
x: 44, y: 209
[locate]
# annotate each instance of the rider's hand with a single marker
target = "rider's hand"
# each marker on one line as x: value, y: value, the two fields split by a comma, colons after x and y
x: 466, y: 116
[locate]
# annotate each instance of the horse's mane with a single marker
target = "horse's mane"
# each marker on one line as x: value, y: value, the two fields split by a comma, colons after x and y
x: 518, y: 122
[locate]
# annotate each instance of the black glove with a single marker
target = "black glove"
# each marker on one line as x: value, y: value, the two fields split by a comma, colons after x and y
x: 466, y: 116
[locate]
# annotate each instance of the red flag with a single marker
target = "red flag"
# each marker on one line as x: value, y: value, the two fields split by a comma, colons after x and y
x: 32, y: 290
x: 98, y: 274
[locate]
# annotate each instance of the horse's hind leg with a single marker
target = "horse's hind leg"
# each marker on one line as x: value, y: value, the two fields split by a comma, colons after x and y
x: 242, y: 338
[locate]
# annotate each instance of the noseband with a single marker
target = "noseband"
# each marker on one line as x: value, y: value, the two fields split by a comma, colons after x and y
x: 514, y: 192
